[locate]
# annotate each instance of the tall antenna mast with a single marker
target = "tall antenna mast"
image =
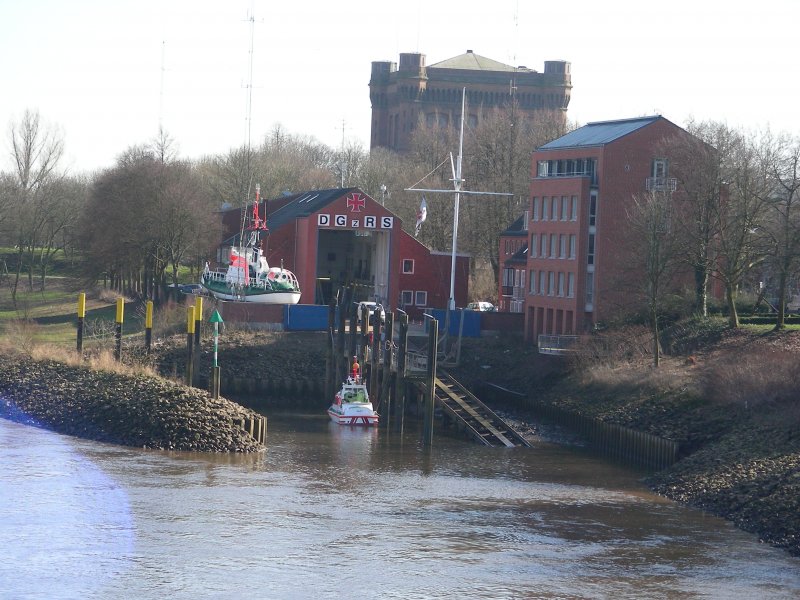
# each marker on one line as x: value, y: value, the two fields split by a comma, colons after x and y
x: 458, y: 181
x: 341, y: 161
x: 161, y: 92
x: 250, y: 102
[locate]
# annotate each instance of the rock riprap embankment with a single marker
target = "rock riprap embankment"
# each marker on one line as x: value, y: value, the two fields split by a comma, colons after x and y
x: 131, y: 410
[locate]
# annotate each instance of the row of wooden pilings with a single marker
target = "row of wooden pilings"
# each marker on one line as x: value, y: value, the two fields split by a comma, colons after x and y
x: 617, y: 442
x: 384, y: 361
x: 256, y: 426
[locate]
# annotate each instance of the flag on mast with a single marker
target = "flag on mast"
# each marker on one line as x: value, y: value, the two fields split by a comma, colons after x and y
x: 422, y: 214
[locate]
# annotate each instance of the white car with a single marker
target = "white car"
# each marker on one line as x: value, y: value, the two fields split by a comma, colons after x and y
x: 372, y: 307
x: 481, y: 306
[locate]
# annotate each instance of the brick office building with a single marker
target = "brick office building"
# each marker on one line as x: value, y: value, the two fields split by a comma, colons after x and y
x: 342, y: 237
x: 412, y: 93
x: 513, y: 266
x: 582, y: 184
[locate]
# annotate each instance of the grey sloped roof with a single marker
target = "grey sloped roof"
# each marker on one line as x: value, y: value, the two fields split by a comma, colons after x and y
x: 599, y: 133
x: 472, y: 61
x: 304, y: 204
x: 517, y: 227
x: 293, y: 206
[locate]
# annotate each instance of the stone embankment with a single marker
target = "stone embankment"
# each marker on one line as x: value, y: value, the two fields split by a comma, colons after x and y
x: 141, y: 411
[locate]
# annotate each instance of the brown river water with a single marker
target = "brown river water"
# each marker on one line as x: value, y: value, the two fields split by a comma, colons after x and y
x: 334, y: 512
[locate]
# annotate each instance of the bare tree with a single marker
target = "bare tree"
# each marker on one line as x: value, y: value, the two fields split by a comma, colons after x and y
x: 782, y: 226
x: 655, y: 252
x: 36, y: 152
x: 738, y: 218
x: 697, y: 163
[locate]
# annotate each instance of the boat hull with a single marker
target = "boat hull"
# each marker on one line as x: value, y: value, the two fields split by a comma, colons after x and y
x: 252, y: 294
x: 342, y: 418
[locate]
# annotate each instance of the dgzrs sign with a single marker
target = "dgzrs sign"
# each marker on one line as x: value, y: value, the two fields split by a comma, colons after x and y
x: 368, y: 222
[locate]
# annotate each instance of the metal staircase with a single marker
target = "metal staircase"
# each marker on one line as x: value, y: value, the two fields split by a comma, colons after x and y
x: 472, y: 416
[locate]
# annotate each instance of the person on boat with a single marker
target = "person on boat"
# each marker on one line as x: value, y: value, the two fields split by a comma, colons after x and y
x: 355, y: 369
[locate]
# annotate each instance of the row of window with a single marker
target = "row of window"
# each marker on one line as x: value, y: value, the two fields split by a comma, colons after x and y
x: 511, y: 246
x: 569, y: 167
x: 564, y: 208
x: 553, y: 245
x: 412, y: 298
x: 552, y: 283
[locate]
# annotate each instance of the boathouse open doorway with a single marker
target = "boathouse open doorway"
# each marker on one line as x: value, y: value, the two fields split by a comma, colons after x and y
x: 352, y: 257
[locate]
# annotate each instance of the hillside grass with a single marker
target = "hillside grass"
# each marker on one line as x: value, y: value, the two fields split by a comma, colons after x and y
x: 48, y: 315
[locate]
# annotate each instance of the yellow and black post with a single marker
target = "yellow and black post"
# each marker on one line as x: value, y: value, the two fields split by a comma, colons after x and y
x: 81, y: 317
x: 189, y: 344
x: 118, y: 334
x: 148, y: 326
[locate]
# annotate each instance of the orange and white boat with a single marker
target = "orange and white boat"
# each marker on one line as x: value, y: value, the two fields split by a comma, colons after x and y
x: 351, y: 405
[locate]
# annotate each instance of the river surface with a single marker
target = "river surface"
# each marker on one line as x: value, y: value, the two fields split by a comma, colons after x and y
x: 335, y: 512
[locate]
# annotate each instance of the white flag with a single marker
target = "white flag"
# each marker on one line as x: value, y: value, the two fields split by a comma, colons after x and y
x: 422, y: 214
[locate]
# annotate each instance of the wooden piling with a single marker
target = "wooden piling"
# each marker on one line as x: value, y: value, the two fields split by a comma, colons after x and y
x: 388, y: 345
x: 433, y: 335
x: 400, y: 378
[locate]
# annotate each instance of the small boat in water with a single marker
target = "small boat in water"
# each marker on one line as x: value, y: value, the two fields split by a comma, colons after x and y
x: 351, y: 405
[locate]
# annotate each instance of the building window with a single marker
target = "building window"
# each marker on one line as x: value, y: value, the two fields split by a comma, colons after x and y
x: 551, y: 283
x: 553, y: 245
x: 532, y: 282
x: 592, y: 209
x: 541, y: 168
x: 554, y: 212
x: 590, y: 250
x: 660, y: 168
x: 542, y: 283
x: 572, y: 239
x: 408, y: 266
x: 535, y: 208
x: 508, y: 277
x: 571, y: 285
x: 564, y: 208
x: 525, y: 218
x: 562, y: 251
x: 574, y: 215
x: 590, y: 288
x: 545, y: 207
x: 421, y: 299
x: 507, y: 247
x: 543, y: 253
x: 561, y: 284
x: 407, y: 297
x: 534, y: 248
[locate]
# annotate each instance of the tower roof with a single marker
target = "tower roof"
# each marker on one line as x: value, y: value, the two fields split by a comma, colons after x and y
x: 475, y: 62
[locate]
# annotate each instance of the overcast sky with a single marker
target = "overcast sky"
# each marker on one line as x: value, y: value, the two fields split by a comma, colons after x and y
x: 108, y: 72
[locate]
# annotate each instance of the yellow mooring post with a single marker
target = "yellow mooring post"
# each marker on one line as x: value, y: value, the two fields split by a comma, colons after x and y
x: 81, y: 316
x: 189, y: 344
x: 148, y: 326
x: 120, y: 313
